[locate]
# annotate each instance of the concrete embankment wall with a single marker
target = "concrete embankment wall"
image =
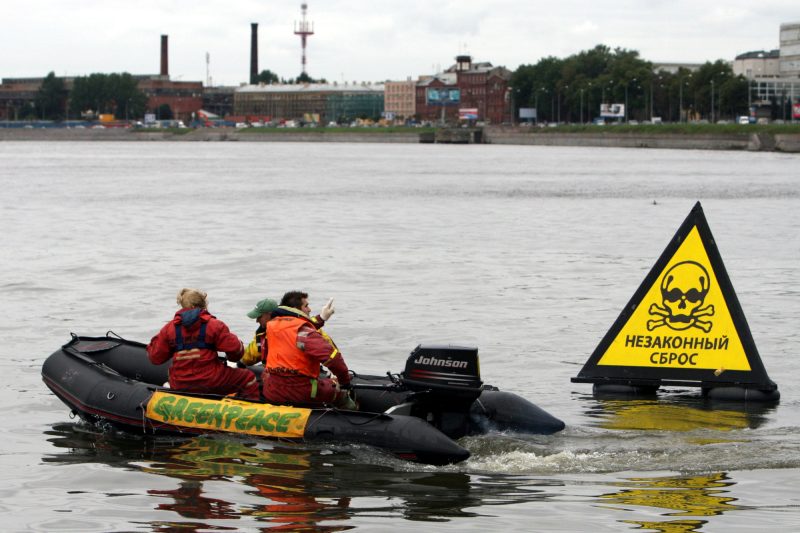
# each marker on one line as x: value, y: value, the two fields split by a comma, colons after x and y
x: 490, y: 135
x: 753, y: 142
x: 199, y: 135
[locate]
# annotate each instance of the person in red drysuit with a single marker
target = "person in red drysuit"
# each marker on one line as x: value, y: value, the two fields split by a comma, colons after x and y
x: 294, y: 348
x: 192, y: 339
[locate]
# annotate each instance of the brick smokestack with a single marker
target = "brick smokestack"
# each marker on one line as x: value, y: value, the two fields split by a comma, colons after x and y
x: 164, y: 56
x: 253, y: 52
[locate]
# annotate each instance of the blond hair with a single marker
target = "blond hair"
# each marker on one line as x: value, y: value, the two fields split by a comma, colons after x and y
x: 189, y: 298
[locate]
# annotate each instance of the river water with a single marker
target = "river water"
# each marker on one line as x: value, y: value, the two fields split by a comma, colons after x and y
x: 529, y: 253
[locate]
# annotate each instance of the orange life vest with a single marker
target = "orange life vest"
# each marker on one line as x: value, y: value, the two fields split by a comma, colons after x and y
x: 285, y: 357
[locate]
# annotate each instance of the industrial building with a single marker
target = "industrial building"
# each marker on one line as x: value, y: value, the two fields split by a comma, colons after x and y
x: 18, y: 93
x: 315, y: 102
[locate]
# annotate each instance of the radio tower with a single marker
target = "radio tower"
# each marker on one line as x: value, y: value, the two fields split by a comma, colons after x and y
x: 304, y: 29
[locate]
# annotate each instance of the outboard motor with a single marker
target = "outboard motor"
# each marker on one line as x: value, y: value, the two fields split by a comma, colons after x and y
x: 445, y: 381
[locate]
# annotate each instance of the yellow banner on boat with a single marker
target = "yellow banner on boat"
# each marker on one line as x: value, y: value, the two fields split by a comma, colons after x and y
x: 227, y: 414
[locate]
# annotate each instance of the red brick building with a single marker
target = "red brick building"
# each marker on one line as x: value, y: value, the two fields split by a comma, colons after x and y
x: 183, y: 97
x: 481, y: 87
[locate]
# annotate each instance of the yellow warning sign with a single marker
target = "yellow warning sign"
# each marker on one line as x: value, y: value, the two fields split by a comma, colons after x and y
x: 683, y: 320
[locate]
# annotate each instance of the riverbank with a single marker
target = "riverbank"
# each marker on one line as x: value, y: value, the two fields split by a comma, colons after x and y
x: 772, y: 137
x: 785, y: 138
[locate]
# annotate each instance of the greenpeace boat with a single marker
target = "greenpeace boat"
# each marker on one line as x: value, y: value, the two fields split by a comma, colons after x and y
x: 416, y: 415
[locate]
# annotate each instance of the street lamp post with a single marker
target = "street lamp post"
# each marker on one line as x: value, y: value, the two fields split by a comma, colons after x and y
x: 712, y: 101
x: 626, y: 103
x: 589, y: 104
x: 558, y: 106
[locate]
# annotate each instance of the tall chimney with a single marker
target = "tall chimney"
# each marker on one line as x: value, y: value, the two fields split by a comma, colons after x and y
x: 253, y: 52
x: 164, y: 57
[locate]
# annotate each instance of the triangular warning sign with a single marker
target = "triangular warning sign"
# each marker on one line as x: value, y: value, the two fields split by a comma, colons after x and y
x: 683, y: 326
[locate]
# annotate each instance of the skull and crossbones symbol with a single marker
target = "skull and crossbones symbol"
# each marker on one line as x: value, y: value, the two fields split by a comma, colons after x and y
x: 683, y: 290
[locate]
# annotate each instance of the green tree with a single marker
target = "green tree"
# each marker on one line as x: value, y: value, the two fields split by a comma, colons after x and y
x: 51, y: 98
x: 267, y: 77
x: 305, y: 78
x: 128, y: 101
x: 116, y: 94
x: 573, y: 88
x: 536, y: 86
x: 706, y: 85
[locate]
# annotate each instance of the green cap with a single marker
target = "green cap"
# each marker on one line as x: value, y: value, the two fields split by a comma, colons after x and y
x: 264, y: 306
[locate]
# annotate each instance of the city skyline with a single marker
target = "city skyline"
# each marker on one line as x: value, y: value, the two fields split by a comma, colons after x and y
x: 354, y: 41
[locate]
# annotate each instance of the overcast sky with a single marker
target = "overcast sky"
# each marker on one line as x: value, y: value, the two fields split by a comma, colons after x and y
x: 368, y: 40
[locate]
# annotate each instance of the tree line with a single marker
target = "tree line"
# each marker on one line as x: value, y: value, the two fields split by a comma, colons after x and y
x: 114, y: 94
x: 573, y: 88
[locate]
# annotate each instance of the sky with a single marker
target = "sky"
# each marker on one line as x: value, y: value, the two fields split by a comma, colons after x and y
x: 368, y: 40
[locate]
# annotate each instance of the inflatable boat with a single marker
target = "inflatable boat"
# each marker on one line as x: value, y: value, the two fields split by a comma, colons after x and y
x: 416, y: 415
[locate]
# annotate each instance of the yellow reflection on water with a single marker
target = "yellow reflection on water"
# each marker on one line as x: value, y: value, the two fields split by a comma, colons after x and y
x: 279, y: 477
x: 678, y: 526
x: 207, y: 457
x: 653, y: 415
x: 687, y: 496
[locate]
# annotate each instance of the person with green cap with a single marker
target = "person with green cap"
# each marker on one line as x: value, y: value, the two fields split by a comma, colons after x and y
x: 262, y: 313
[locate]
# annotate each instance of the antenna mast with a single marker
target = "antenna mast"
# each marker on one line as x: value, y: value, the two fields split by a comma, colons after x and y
x: 304, y: 29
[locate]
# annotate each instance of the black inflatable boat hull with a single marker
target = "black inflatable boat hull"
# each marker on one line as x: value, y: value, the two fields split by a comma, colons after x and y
x: 109, y: 381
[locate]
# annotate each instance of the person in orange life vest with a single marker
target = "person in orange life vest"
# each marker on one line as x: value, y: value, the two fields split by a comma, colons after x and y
x: 262, y: 313
x: 299, y: 300
x: 192, y: 339
x: 294, y: 349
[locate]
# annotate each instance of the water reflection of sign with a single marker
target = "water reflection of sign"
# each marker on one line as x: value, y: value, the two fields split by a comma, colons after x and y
x: 653, y: 415
x: 442, y: 96
x: 686, y: 497
x: 612, y: 110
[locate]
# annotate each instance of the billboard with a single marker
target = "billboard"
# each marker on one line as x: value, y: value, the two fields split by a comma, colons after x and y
x: 527, y: 112
x: 468, y: 113
x: 612, y: 110
x: 442, y: 95
x: 795, y: 110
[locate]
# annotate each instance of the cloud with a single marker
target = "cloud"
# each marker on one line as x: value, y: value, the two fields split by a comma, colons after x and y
x: 360, y: 40
x: 586, y: 27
